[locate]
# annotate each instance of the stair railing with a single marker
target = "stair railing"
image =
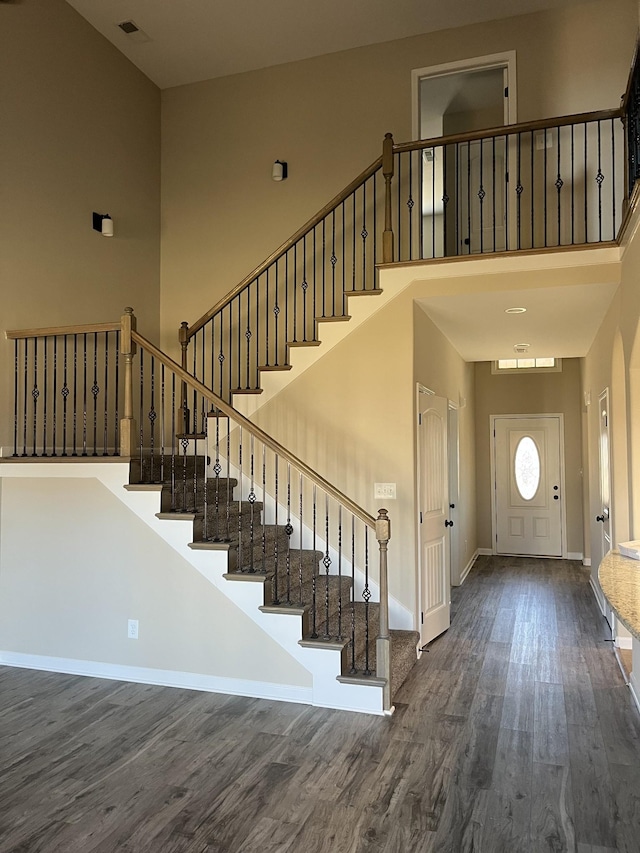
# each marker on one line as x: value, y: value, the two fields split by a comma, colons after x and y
x: 535, y: 185
x: 104, y: 390
x: 306, y: 280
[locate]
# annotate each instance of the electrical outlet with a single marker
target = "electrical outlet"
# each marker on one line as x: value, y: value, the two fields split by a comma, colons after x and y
x: 132, y: 629
x: 384, y: 490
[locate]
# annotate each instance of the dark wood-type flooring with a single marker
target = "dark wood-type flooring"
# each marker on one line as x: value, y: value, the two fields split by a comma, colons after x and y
x: 515, y: 732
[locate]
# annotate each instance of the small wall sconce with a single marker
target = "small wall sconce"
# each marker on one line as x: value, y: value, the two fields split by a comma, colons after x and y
x: 279, y: 171
x: 103, y: 223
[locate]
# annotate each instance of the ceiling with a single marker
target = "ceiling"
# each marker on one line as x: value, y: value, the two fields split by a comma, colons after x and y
x: 559, y: 322
x: 193, y: 40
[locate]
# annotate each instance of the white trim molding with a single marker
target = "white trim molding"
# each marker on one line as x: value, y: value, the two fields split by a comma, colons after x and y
x: 159, y: 677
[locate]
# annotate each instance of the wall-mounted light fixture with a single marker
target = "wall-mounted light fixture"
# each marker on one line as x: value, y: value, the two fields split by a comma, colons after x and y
x: 103, y: 223
x: 279, y: 171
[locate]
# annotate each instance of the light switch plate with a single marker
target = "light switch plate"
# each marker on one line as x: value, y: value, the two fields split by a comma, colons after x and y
x: 384, y: 490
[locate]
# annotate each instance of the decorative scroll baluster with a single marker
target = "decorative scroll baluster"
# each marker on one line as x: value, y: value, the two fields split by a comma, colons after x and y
x: 353, y: 595
x: 84, y: 395
x: 105, y: 424
x: 559, y: 185
x: 300, y: 573
x: 288, y: 530
x: 35, y: 393
x: 252, y: 501
x: 264, y: 523
x: 366, y: 595
x: 599, y: 181
x: 152, y: 415
x: 45, y: 384
x: 339, y: 630
x: 326, y: 562
x: 240, y: 494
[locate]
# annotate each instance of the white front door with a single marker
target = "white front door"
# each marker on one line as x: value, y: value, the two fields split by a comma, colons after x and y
x: 528, y: 485
x: 435, y: 583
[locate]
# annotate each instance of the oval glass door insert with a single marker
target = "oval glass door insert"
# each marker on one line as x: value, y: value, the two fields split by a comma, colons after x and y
x: 527, y: 468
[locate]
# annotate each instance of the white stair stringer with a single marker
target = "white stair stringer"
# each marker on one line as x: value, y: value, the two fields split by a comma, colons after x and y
x: 360, y: 307
x: 324, y: 664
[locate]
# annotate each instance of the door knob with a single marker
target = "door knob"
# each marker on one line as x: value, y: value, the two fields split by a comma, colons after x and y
x: 452, y: 506
x: 556, y: 498
x: 600, y: 518
x: 448, y: 523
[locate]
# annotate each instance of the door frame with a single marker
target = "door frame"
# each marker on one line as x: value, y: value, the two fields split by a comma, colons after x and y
x: 506, y: 60
x: 563, y: 508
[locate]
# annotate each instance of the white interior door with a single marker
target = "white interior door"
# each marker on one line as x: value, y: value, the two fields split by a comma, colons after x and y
x: 435, y: 583
x: 528, y: 485
x: 604, y: 517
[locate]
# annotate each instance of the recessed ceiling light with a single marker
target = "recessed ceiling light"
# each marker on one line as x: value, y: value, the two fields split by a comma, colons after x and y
x: 515, y: 310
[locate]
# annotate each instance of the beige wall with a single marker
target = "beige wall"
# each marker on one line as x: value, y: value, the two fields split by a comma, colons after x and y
x: 438, y: 367
x: 76, y: 564
x: 81, y: 132
x: 352, y: 417
x: 327, y: 116
x: 531, y: 394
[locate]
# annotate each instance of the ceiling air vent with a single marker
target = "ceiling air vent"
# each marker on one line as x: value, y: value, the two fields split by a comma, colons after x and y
x: 128, y: 27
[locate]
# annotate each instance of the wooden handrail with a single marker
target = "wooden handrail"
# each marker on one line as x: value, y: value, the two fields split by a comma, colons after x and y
x: 624, y: 101
x: 254, y: 430
x: 508, y: 130
x: 288, y: 244
x: 51, y: 331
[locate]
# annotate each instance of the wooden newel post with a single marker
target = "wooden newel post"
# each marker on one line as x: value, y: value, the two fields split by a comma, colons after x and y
x: 182, y: 426
x: 387, y: 171
x: 128, y: 429
x: 383, y: 642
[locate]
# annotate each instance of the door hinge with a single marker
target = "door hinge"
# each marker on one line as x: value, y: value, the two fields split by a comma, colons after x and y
x: 422, y: 617
x: 506, y: 91
x: 419, y: 418
x: 420, y: 516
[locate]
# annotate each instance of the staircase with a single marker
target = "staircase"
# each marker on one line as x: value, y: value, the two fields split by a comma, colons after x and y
x: 295, y: 580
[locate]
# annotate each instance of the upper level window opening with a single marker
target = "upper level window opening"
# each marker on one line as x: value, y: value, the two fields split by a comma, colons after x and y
x: 528, y: 365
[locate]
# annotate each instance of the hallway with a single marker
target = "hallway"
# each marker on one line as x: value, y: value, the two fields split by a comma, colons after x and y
x: 515, y: 732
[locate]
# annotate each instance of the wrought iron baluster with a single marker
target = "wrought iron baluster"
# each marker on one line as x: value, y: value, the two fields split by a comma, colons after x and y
x: 457, y: 201
x: 493, y: 188
x: 25, y: 396
x: 573, y: 186
x: 304, y: 286
x: 229, y: 489
x: 481, y: 197
x: 288, y: 530
x: 35, y: 393
x: 314, y: 632
x: 75, y: 395
x: 94, y: 393
x: 519, y: 189
x: 301, y: 517
x: 445, y: 202
x: 544, y: 185
x: 286, y: 336
x: 374, y: 178
x: 469, y: 197
x: 45, y: 383
x: 240, y: 495
x: 65, y: 394
x: 344, y: 271
x: 586, y: 171
x: 326, y: 562
x: 433, y: 203
x: 162, y: 422
x: 84, y: 394
x: 16, y: 349
x: 334, y: 260
x: 105, y: 430
x: 315, y: 285
x: 247, y: 335
x: 506, y: 192
x: 252, y: 501
x: 364, y: 234
x: 195, y: 465
x: 613, y: 181
x: 533, y: 191
x: 323, y: 265
x: 152, y: 415
x: 276, y: 314
x: 221, y: 356
x: 116, y: 451
x: 366, y: 595
x: 398, y: 170
x: 264, y: 506
x: 275, y: 539
x: 295, y: 291
x: 420, y: 202
x: 174, y: 416
x: 141, y: 415
x: 353, y: 593
x: 599, y: 181
x: 353, y: 241
x: 266, y: 331
x: 559, y: 184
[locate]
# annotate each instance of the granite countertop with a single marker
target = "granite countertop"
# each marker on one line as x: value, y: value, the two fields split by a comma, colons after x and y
x: 620, y: 581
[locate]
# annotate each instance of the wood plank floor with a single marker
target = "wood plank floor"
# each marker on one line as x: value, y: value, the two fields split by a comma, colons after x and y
x: 515, y: 732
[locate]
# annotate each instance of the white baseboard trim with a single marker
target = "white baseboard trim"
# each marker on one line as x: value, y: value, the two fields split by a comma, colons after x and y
x: 575, y: 555
x: 624, y: 643
x: 159, y: 677
x: 468, y: 567
x: 485, y: 552
x: 586, y: 561
x: 634, y: 687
